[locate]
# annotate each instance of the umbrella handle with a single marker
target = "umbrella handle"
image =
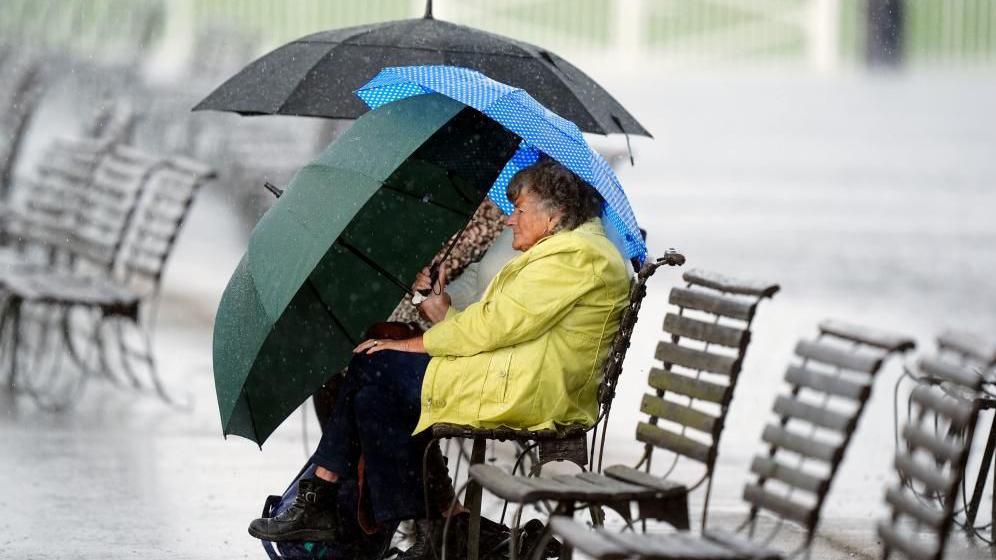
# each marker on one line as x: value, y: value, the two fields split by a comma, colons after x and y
x: 422, y: 295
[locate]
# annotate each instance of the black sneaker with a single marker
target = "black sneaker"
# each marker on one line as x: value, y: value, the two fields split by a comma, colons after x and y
x: 312, y: 517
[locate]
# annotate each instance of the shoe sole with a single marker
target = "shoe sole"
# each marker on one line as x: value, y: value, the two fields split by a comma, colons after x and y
x: 299, y: 535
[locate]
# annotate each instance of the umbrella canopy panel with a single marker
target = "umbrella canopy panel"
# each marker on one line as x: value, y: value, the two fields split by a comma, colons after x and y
x: 316, y: 75
x: 337, y: 250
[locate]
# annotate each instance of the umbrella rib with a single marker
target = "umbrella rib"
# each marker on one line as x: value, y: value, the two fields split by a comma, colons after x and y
x: 456, y: 187
x: 331, y: 313
x: 431, y: 202
x: 373, y: 264
x: 320, y: 59
x: 252, y: 418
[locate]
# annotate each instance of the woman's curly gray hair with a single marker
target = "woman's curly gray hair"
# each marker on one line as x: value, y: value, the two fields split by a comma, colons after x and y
x: 558, y: 189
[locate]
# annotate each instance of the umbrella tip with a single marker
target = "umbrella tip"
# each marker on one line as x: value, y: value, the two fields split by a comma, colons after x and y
x: 277, y: 192
x: 428, y: 9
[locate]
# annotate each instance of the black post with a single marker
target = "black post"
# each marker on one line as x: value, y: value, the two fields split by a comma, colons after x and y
x: 884, y: 38
x: 980, y: 482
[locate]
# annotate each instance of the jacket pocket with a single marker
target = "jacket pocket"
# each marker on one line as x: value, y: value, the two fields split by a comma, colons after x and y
x: 496, y: 383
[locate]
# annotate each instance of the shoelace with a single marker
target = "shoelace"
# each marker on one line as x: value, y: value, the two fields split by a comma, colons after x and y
x: 300, y: 502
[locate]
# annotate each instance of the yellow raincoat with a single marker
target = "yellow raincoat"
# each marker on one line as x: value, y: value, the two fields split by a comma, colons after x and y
x: 529, y: 353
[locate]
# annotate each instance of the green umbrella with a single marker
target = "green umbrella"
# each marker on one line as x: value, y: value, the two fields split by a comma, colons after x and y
x: 338, y: 249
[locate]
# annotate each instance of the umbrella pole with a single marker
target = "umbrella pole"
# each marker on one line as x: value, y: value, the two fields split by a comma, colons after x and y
x: 434, y: 269
x: 629, y: 148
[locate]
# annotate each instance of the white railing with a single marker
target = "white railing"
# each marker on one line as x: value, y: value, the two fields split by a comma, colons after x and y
x: 819, y: 34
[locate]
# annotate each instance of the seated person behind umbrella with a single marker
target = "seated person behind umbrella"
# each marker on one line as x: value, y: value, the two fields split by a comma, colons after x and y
x: 470, y: 286
x: 527, y: 355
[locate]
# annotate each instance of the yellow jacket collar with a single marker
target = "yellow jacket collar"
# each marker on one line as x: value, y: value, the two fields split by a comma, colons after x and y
x: 592, y: 226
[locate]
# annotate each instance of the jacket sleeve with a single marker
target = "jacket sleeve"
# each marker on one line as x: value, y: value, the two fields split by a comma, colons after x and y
x: 537, y: 298
x: 463, y: 289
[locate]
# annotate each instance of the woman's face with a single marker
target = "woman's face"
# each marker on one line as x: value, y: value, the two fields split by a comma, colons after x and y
x: 529, y: 222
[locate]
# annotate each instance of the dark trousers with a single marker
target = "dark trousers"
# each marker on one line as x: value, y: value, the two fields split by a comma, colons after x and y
x: 375, y: 412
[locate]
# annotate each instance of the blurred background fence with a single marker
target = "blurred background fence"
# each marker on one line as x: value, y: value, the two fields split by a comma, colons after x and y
x: 823, y: 34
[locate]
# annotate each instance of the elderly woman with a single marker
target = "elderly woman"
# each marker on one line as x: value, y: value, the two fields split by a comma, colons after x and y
x: 526, y: 355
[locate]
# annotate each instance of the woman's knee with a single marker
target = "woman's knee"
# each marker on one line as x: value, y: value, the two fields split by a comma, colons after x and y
x: 399, y: 371
x: 387, y: 409
x: 368, y: 368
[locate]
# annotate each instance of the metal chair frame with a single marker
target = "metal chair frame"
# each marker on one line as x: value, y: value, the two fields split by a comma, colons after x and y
x: 961, y: 357
x: 931, y: 466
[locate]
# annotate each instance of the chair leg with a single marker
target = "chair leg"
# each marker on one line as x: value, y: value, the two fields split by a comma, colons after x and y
x: 566, y: 552
x: 113, y: 352
x: 83, y: 357
x: 513, y: 540
x: 145, y: 355
x: 42, y: 369
x: 45, y: 319
x: 15, y: 344
x: 472, y: 501
x: 980, y: 482
x: 4, y: 339
x: 53, y: 386
x: 705, y: 506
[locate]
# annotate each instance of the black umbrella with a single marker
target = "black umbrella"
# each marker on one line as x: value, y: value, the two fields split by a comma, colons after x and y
x: 315, y: 76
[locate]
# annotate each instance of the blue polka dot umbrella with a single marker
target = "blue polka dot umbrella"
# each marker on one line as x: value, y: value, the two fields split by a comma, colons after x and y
x: 541, y: 132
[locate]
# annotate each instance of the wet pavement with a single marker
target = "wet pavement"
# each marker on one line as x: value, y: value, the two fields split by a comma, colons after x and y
x: 867, y: 198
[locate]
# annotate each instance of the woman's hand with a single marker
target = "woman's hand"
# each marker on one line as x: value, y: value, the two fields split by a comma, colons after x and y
x: 422, y: 280
x: 374, y: 345
x: 434, y: 307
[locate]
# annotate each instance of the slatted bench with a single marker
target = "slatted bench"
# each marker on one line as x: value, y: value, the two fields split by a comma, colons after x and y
x: 125, y: 230
x: 930, y: 467
x: 963, y: 360
x: 814, y: 423
x: 708, y: 334
x: 79, y: 220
